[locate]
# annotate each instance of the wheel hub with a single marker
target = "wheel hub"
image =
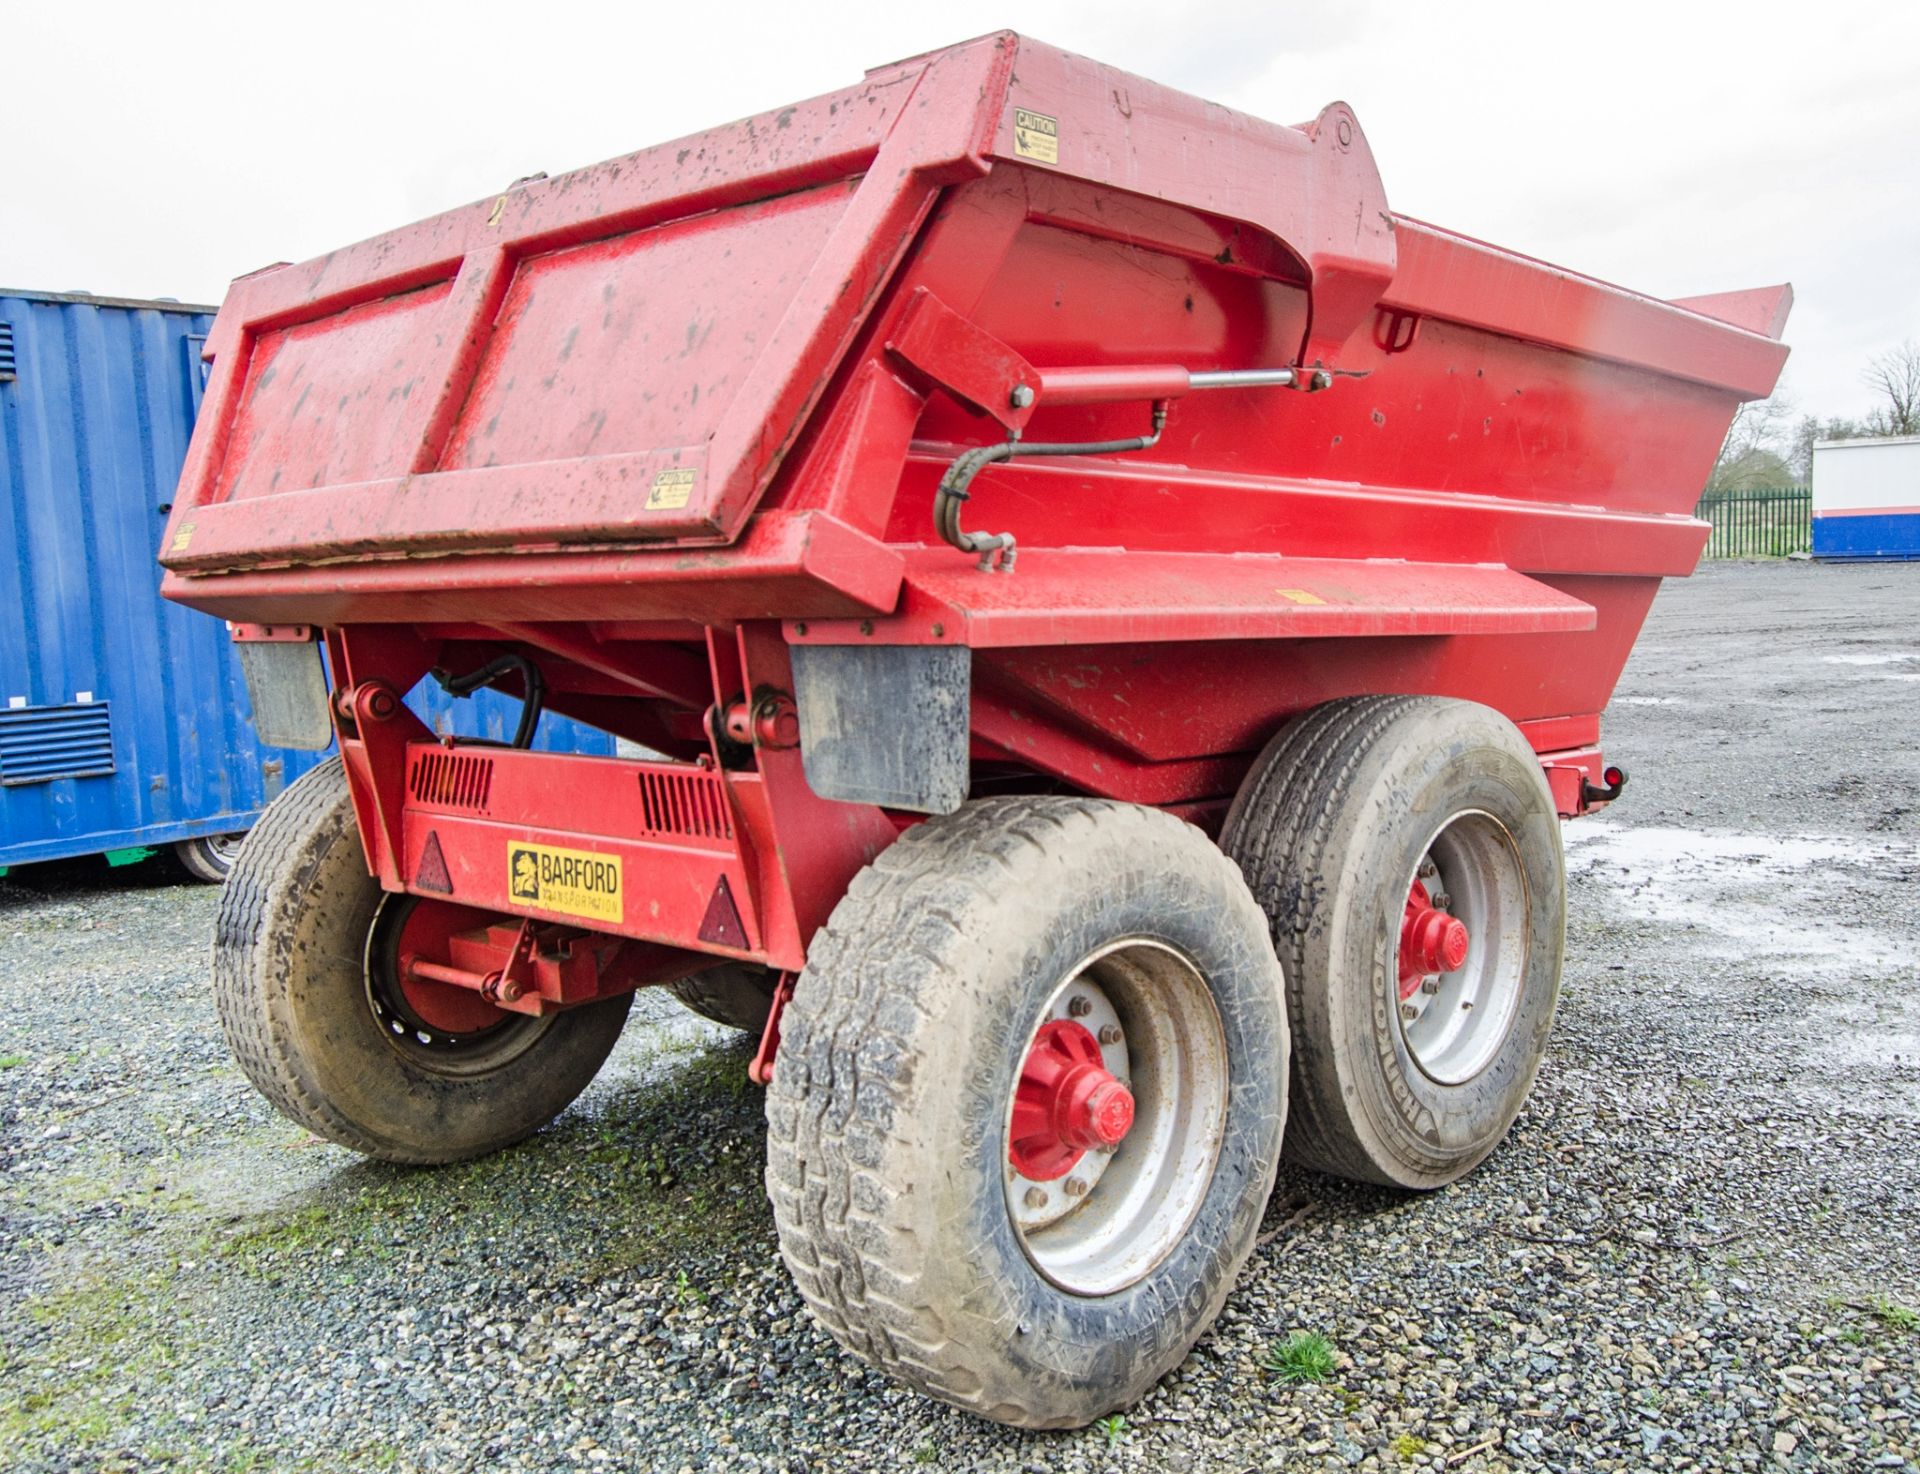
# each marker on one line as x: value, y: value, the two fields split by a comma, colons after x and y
x: 1115, y: 1119
x: 431, y: 1022
x: 1431, y: 941
x: 1463, y: 947
x: 1066, y: 1104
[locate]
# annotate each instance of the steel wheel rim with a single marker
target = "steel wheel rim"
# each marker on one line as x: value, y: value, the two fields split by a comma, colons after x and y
x: 422, y: 1044
x: 223, y: 849
x: 1140, y: 1198
x: 1460, y: 1019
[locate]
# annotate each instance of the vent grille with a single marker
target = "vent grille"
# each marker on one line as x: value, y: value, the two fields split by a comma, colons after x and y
x: 685, y: 802
x: 7, y: 368
x: 41, y: 743
x: 452, y: 780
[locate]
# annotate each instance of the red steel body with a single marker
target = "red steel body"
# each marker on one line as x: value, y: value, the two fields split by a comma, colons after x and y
x: 657, y: 423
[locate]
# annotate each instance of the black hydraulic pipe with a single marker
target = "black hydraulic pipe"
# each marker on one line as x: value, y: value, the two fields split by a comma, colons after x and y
x: 948, y: 500
x: 533, y: 688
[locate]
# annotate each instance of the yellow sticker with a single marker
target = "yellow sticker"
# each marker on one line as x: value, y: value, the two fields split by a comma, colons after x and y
x: 1036, y: 136
x: 1299, y: 596
x: 671, y: 489
x: 183, y: 537
x: 573, y: 882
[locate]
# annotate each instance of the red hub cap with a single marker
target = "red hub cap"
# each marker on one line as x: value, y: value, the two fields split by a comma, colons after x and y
x: 1431, y: 941
x: 1066, y: 1104
x: 427, y: 933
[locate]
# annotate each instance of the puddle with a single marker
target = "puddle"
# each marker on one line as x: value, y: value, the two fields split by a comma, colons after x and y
x: 1898, y: 657
x: 1751, y: 895
x: 1792, y: 904
x: 1647, y: 701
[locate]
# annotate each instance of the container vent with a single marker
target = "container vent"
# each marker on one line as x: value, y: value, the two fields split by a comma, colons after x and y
x: 452, y: 780
x: 41, y: 743
x: 686, y: 802
x: 7, y: 370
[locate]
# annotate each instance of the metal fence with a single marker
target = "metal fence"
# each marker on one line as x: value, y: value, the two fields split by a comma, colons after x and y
x: 1758, y: 524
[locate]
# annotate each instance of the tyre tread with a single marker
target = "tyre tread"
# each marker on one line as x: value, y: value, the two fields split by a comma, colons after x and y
x: 868, y: 998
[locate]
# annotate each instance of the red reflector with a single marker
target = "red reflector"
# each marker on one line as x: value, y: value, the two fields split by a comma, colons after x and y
x: 431, y: 873
x: 721, y: 925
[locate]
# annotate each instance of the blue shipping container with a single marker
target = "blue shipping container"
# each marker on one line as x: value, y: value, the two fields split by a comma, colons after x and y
x: 124, y: 719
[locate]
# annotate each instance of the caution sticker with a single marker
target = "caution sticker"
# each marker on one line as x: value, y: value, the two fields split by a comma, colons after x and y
x: 671, y: 489
x: 183, y: 537
x: 1299, y: 596
x: 573, y: 882
x: 1036, y: 136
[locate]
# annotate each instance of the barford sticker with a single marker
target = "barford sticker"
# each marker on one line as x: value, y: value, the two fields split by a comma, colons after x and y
x: 573, y: 882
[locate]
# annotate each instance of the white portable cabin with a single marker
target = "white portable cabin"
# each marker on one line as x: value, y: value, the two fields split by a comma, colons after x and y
x: 1866, y: 498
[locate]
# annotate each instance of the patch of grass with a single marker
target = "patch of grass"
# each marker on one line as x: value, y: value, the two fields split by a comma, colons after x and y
x: 109, y: 1343
x: 681, y: 1157
x: 1406, y: 1448
x: 685, y: 1291
x: 1114, y: 1427
x: 12, y: 1061
x: 292, y: 1233
x: 1305, y: 1356
x: 926, y: 1453
x: 1895, y: 1317
x: 719, y: 1072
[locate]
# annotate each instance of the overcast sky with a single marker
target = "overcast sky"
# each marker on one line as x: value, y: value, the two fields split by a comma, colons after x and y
x: 1678, y: 148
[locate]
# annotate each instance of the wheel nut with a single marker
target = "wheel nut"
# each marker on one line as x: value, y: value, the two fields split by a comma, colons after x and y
x: 1036, y: 1197
x: 1076, y: 1188
x: 1431, y: 985
x: 1109, y: 1033
x: 1079, y: 1006
x: 1408, y: 1011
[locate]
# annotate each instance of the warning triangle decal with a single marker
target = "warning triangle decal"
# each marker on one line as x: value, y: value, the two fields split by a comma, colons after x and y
x: 722, y: 924
x: 431, y: 873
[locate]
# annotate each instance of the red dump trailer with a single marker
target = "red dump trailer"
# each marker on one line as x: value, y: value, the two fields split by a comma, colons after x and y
x: 1117, y: 615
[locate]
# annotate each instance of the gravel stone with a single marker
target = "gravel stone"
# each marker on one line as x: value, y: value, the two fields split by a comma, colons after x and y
x: 1695, y: 1251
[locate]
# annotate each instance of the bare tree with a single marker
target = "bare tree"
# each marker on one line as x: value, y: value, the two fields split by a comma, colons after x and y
x: 1756, y: 450
x: 1812, y: 429
x: 1895, y: 376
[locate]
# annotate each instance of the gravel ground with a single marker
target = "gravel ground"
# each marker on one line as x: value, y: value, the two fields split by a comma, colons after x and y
x: 1696, y: 1251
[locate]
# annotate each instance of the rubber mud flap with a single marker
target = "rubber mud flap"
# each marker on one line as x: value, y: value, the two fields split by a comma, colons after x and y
x: 287, y: 685
x: 885, y: 724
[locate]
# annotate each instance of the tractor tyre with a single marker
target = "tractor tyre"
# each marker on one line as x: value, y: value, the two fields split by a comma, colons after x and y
x: 303, y: 969
x: 1407, y: 852
x: 1028, y: 1104
x: 736, y: 994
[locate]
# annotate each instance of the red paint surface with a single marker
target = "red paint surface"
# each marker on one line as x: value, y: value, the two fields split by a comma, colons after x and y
x: 446, y: 441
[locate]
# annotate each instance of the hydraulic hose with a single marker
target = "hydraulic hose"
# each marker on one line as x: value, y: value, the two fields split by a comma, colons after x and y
x: 949, y: 499
x: 533, y: 688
